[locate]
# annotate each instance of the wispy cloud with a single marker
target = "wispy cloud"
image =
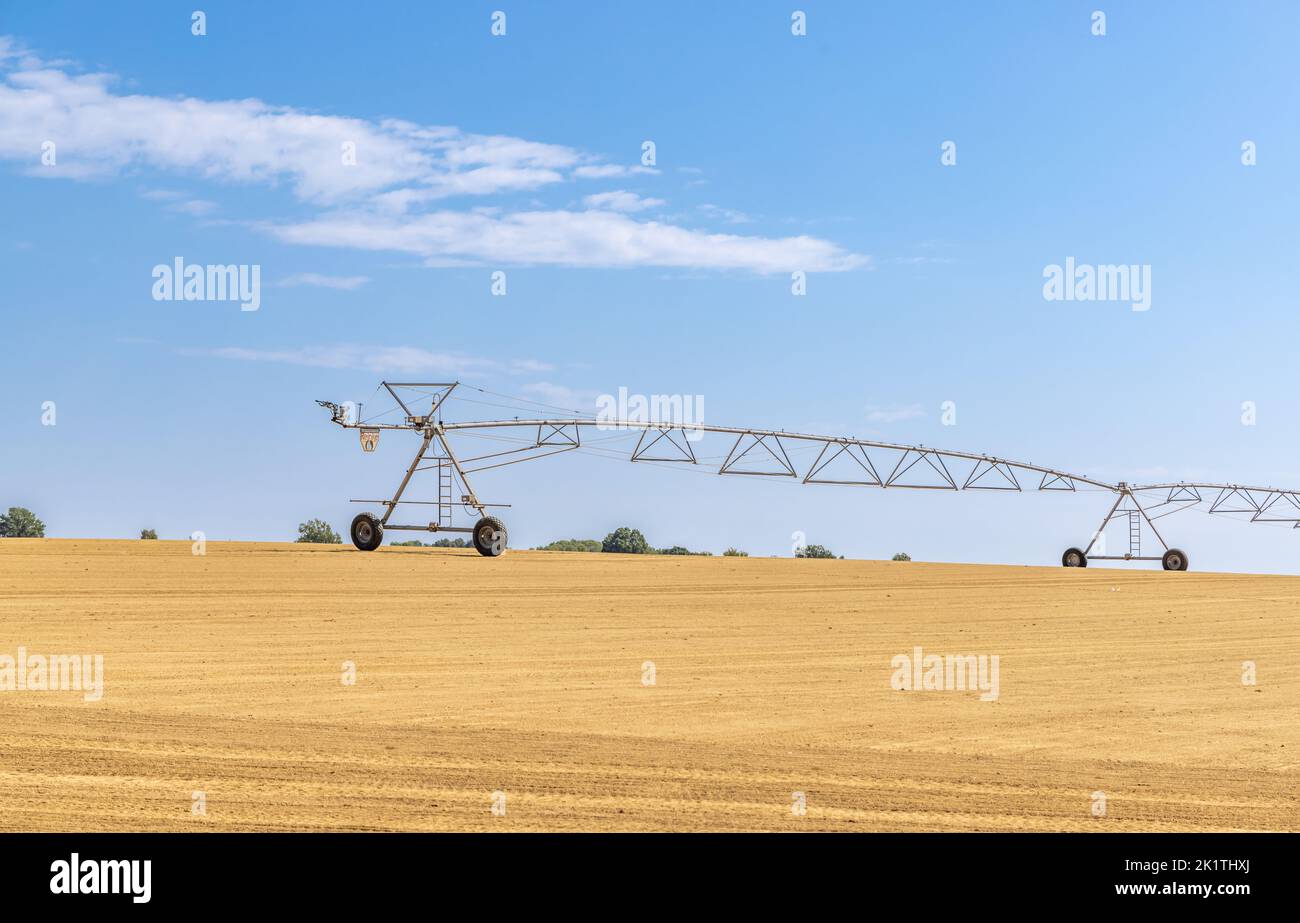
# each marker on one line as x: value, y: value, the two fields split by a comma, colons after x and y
x: 919, y: 260
x: 346, y: 283
x: 323, y: 158
x: 620, y: 200
x: 730, y: 215
x: 530, y: 365
x: 377, y: 185
x: 894, y: 413
x: 612, y: 170
x: 588, y: 239
x: 562, y: 396
x: 177, y: 202
x: 404, y: 359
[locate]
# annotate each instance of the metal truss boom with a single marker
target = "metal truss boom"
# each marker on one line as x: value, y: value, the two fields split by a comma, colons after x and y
x: 840, y: 460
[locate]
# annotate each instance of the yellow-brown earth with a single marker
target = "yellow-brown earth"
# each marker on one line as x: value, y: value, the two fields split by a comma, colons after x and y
x: 524, y: 675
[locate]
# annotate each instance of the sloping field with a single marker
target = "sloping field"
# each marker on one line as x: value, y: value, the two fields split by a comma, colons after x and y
x: 528, y: 675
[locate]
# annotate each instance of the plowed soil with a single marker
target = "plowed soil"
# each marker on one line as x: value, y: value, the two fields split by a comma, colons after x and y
x: 611, y: 692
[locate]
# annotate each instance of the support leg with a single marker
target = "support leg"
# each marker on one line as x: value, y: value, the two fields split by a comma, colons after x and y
x: 1154, y: 531
x: 415, y: 463
x: 451, y: 456
x: 1105, y: 522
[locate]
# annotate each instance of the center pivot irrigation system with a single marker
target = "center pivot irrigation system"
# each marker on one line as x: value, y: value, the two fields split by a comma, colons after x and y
x: 843, y: 461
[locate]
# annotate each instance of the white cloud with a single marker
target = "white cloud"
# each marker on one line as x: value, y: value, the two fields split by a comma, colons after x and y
x: 587, y: 239
x: 620, y: 200
x: 894, y: 414
x: 392, y: 198
x: 177, y: 202
x: 730, y: 215
x: 404, y: 359
x: 346, y: 283
x: 100, y: 133
x: 611, y: 170
x: 520, y: 366
x: 562, y: 396
x: 918, y: 260
x: 196, y: 208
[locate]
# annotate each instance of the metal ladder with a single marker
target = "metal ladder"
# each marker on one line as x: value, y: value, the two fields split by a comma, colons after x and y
x: 1134, y: 533
x: 445, y: 484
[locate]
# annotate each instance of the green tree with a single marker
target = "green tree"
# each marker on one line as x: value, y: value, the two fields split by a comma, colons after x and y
x: 21, y: 523
x: 148, y: 534
x: 625, y: 540
x: 572, y: 544
x: 814, y: 551
x: 733, y: 553
x: 318, y: 532
x: 901, y: 556
x: 449, y: 543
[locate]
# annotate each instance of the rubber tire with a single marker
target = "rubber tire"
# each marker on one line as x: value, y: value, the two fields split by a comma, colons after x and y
x: 367, y: 532
x: 483, y: 542
x: 1069, y: 552
x: 1174, y: 559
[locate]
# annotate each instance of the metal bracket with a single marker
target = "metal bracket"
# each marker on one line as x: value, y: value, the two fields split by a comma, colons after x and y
x: 1056, y: 482
x: 684, y: 451
x: 558, y: 435
x: 929, y: 457
x: 1008, y: 476
x: 1227, y: 495
x: 1284, y: 515
x: 845, y: 448
x: 778, y: 456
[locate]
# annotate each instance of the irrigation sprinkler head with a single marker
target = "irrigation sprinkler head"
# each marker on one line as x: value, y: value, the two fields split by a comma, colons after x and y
x: 338, y: 414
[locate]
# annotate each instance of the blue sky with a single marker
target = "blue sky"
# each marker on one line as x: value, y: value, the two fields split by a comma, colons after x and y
x: 522, y: 153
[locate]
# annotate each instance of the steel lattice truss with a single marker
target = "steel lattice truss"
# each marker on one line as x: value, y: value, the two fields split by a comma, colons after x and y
x: 841, y: 461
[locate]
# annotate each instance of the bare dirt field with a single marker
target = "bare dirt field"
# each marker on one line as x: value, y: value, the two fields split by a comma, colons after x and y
x: 528, y: 675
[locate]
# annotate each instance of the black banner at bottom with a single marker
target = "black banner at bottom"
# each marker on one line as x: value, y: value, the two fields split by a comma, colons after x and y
x: 338, y: 870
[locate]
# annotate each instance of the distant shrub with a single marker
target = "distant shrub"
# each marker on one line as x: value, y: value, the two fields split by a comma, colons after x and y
x: 625, y: 540
x: 678, y: 549
x: 148, y: 535
x: 901, y: 556
x: 21, y: 523
x: 440, y: 543
x: 572, y: 544
x: 814, y: 551
x: 318, y: 532
x: 733, y: 553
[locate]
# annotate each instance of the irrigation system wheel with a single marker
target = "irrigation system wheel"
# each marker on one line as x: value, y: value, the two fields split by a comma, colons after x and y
x: 490, y: 537
x: 367, y: 532
x: 1174, y: 559
x: 1073, y: 557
